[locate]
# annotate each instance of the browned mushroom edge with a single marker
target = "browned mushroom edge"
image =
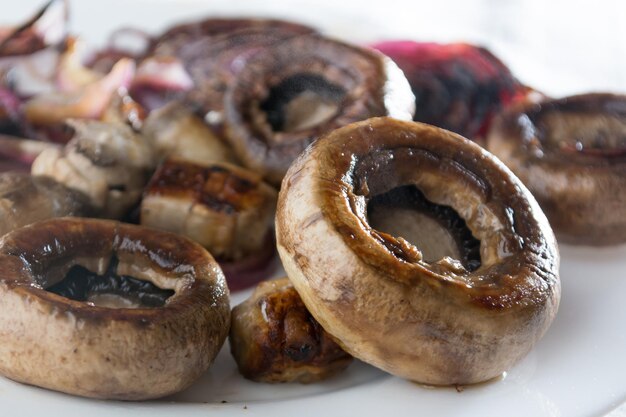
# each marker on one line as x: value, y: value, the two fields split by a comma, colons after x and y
x: 434, y: 322
x: 274, y: 338
x: 340, y: 83
x: 571, y: 154
x: 117, y: 353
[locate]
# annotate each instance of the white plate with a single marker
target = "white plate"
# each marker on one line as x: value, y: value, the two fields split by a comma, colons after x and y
x: 577, y: 370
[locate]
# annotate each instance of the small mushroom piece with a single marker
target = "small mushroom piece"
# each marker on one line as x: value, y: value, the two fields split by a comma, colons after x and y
x: 26, y: 199
x: 107, y: 162
x: 227, y: 209
x: 274, y: 338
x: 175, y: 131
x: 289, y: 94
x: 418, y: 251
x: 571, y: 154
x: 108, y: 310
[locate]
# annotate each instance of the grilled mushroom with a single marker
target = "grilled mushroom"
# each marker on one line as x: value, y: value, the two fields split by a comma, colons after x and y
x: 225, y: 208
x: 274, y: 338
x: 286, y: 96
x: 571, y: 154
x: 175, y: 131
x: 108, y: 310
x: 108, y: 162
x: 392, y: 294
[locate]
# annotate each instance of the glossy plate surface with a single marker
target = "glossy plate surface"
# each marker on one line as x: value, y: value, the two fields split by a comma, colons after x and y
x: 577, y: 370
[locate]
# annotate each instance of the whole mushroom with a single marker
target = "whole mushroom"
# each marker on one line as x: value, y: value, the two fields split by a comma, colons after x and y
x: 361, y: 218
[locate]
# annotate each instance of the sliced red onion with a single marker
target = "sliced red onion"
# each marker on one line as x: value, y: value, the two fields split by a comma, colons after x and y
x: 48, y: 27
x: 160, y: 80
x: 88, y: 103
x: 71, y: 74
x: 20, y: 153
x: 123, y: 43
x: 252, y: 270
x: 9, y: 106
x: 457, y: 86
x: 33, y: 74
x: 11, y: 165
x: 163, y: 72
x: 29, y: 53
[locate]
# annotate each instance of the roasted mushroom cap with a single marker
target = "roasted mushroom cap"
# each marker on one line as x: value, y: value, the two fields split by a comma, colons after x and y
x: 25, y: 199
x: 437, y: 315
x: 288, y: 95
x: 571, y: 154
x: 274, y: 338
x: 58, y: 279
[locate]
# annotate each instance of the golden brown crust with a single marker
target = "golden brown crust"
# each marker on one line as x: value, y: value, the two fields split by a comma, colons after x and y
x: 568, y: 153
x: 226, y: 208
x: 104, y: 352
x: 274, y: 338
x: 434, y: 322
x: 221, y: 187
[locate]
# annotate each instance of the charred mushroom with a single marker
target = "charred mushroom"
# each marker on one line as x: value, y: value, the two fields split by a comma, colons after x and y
x: 571, y: 154
x: 225, y: 208
x: 175, y: 131
x: 288, y: 95
x: 418, y: 251
x: 274, y: 338
x: 108, y: 310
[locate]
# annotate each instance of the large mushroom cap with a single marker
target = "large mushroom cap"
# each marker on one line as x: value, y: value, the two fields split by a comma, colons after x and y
x: 91, y: 350
x: 288, y: 95
x: 440, y: 318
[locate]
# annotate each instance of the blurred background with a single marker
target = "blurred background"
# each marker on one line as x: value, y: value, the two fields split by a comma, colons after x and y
x: 560, y: 47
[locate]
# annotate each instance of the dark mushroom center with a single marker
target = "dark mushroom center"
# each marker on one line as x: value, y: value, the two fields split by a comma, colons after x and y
x: 301, y: 102
x: 109, y: 289
x: 588, y: 133
x: 436, y: 230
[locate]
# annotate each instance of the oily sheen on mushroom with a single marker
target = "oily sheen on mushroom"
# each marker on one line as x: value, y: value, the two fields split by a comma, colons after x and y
x: 108, y: 310
x: 274, y: 338
x: 571, y: 154
x: 455, y: 314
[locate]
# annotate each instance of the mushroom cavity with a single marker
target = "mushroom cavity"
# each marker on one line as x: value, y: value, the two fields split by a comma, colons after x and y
x: 110, y: 289
x: 436, y: 230
x: 301, y: 102
x: 418, y: 251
